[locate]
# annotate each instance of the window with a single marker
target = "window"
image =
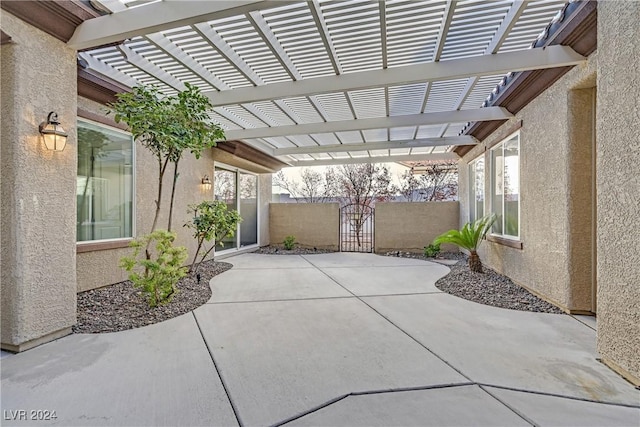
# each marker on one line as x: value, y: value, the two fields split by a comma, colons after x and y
x: 104, y: 184
x: 239, y: 190
x: 505, y: 187
x: 476, y: 189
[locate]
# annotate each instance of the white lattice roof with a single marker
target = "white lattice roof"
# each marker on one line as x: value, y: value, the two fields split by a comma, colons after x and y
x: 322, y: 81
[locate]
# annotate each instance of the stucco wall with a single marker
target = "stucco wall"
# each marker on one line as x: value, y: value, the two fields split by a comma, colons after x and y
x: 313, y: 224
x: 38, y: 188
x: 618, y: 185
x: 555, y: 199
x: 412, y: 226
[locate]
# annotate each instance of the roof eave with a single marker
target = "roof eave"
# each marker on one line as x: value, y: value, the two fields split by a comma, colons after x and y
x: 579, y: 31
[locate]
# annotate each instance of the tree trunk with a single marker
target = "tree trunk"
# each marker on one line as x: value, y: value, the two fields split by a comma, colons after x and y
x: 474, y: 262
x: 173, y: 193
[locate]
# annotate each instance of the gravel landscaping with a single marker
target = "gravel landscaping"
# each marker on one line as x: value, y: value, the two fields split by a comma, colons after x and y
x: 121, y: 306
x: 488, y: 288
x: 280, y: 250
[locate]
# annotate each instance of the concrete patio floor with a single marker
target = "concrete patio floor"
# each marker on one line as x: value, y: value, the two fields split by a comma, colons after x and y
x: 331, y: 339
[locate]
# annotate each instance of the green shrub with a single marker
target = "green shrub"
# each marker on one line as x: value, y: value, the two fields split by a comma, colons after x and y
x: 469, y: 238
x: 211, y: 221
x: 289, y: 242
x: 156, y: 277
x: 432, y: 250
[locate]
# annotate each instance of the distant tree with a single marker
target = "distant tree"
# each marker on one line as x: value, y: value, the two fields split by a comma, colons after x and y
x: 433, y: 181
x: 313, y: 187
x: 224, y: 187
x: 362, y: 185
x: 439, y: 180
x: 409, y: 187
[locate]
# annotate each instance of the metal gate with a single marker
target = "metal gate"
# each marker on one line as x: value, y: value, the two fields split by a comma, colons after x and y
x: 356, y: 228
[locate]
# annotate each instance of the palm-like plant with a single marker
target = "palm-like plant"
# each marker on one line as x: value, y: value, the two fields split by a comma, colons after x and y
x: 469, y: 238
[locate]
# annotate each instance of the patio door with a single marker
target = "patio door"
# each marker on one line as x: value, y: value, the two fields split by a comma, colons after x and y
x: 239, y: 190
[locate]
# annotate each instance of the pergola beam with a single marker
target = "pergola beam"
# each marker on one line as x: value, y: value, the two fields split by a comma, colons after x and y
x: 380, y: 145
x: 441, y: 117
x: 156, y: 17
x: 375, y: 159
x: 485, y: 65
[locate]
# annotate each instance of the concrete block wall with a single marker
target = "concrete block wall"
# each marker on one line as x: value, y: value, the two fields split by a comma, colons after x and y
x: 313, y: 224
x: 412, y: 226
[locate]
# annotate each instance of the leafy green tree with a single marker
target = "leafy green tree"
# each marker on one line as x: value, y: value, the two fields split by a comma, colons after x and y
x: 168, y: 126
x: 469, y: 238
x: 158, y: 276
x: 211, y: 221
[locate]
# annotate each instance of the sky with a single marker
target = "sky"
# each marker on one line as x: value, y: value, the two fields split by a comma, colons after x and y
x: 295, y: 173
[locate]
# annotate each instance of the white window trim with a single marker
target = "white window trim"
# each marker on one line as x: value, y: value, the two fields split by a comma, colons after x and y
x: 134, y: 195
x: 238, y: 170
x: 472, y: 204
x: 492, y: 187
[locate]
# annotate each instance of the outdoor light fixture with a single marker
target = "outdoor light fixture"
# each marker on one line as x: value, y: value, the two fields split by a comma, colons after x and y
x: 206, y: 182
x: 55, y: 138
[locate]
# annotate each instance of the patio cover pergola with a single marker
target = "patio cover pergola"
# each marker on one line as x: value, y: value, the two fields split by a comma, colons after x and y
x: 325, y: 82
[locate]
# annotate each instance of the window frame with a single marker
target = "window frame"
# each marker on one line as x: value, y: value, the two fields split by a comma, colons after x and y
x: 238, y: 171
x: 120, y: 242
x: 473, y: 213
x: 492, y: 181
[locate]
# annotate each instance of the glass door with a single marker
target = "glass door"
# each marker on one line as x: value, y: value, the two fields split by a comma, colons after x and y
x: 248, y: 209
x: 224, y: 189
x: 239, y: 190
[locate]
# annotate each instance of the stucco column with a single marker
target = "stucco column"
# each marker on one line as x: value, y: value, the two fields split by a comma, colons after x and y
x: 38, y: 187
x: 618, y: 186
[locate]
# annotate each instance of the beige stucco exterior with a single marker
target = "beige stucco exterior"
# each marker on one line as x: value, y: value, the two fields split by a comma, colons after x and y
x: 312, y: 224
x: 555, y: 193
x: 618, y: 186
x: 38, y: 188
x: 412, y: 226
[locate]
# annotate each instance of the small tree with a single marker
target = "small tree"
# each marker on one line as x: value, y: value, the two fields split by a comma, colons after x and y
x: 211, y: 221
x: 167, y: 126
x: 362, y: 185
x: 159, y: 275
x: 469, y: 238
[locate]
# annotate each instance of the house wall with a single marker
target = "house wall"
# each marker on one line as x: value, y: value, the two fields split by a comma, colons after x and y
x: 97, y: 268
x: 313, y: 224
x: 555, y: 192
x: 38, y: 273
x: 412, y: 226
x: 618, y: 186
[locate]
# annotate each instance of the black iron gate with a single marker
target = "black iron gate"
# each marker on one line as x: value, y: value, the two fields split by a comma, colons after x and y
x: 356, y: 228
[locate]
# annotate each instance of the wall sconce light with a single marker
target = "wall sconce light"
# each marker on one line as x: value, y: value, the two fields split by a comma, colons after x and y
x: 55, y: 138
x: 206, y: 182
